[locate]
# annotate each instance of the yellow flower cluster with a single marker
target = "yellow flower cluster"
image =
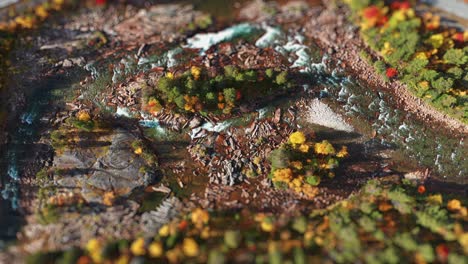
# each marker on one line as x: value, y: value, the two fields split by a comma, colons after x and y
x: 324, y: 148
x: 343, y: 153
x: 190, y: 247
x: 283, y: 175
x: 170, y: 75
x: 192, y: 103
x: 200, y: 217
x: 196, y: 72
x: 94, y: 248
x: 297, y: 138
x: 296, y: 183
x: 387, y: 49
x: 298, y: 141
x: 138, y: 247
x: 83, y: 116
x: 319, y: 162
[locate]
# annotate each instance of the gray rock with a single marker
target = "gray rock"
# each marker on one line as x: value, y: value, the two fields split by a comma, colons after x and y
x: 153, y: 220
x: 100, y: 169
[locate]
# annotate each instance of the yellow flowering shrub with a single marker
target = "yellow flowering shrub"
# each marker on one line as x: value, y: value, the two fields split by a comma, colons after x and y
x: 138, y: 247
x: 300, y: 164
x: 164, y: 231
x: 200, y: 217
x: 83, y: 116
x: 94, y: 248
x: 297, y: 138
x: 190, y: 247
x: 155, y: 249
x: 454, y: 205
x: 195, y: 71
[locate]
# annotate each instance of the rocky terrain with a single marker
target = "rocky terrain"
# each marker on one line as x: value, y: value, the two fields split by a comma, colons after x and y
x: 145, y: 132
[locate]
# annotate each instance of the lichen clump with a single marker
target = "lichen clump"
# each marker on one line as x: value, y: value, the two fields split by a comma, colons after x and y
x: 300, y: 164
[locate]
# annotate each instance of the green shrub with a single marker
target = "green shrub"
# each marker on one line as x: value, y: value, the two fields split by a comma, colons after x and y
x: 282, y: 78
x: 269, y: 73
x: 231, y: 71
x: 230, y: 95
x: 455, y: 72
x: 196, y: 90
x: 442, y: 84
x: 456, y: 56
x: 446, y: 100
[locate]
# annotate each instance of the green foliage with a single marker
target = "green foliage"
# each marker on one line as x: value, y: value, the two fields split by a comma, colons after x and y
x: 358, y: 5
x: 279, y: 158
x: 42, y: 175
x: 455, y: 72
x: 59, y: 140
x: 48, y: 214
x: 229, y: 95
x: 340, y: 233
x: 269, y: 73
x: 282, y: 78
x: 70, y: 256
x: 195, y: 90
x: 404, y: 47
x: 313, y: 180
x: 232, y: 238
x: 404, y: 42
x: 365, y: 56
x: 42, y: 258
x: 456, y: 56
x: 442, y: 84
x: 400, y: 200
x: 445, y: 100
x: 380, y: 68
x: 82, y: 125
x: 416, y: 65
x: 231, y: 71
x: 96, y: 90
x: 210, y: 97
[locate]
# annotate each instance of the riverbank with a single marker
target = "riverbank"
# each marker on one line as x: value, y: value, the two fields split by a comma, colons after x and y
x: 344, y: 44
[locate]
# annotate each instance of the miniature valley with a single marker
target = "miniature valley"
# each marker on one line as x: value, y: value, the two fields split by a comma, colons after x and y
x: 233, y: 132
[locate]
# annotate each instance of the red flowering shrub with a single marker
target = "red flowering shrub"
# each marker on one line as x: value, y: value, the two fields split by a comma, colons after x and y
x: 403, y: 5
x: 371, y: 12
x: 391, y: 72
x: 458, y: 37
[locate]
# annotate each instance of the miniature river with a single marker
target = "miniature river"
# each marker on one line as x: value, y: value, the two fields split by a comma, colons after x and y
x: 23, y: 151
x: 369, y: 110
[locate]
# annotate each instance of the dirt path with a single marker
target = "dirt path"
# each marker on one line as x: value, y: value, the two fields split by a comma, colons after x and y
x: 343, y: 43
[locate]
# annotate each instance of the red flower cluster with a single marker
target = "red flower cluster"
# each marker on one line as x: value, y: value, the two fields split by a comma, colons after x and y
x: 421, y: 189
x: 442, y: 252
x: 101, y: 2
x: 459, y: 37
x: 391, y: 72
x: 371, y: 12
x: 374, y: 16
x: 403, y: 5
